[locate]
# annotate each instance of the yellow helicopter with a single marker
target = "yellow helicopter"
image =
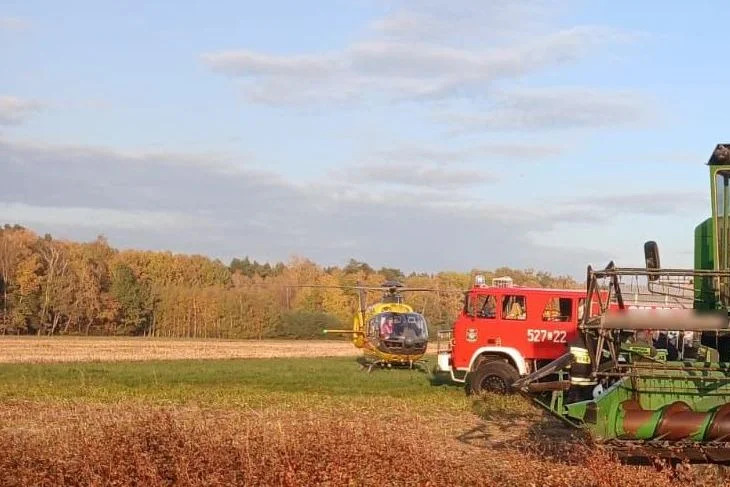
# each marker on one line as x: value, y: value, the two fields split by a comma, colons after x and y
x: 390, y: 332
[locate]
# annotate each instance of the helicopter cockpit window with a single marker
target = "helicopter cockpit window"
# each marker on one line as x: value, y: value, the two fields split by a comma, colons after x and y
x: 399, y: 325
x: 386, y: 325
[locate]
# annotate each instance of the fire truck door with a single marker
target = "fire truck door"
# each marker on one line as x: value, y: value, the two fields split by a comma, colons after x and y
x: 550, y: 332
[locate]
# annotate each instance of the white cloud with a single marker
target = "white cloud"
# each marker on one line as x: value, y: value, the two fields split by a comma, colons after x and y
x: 655, y: 203
x: 557, y: 108
x: 436, y: 168
x: 439, y: 168
x: 522, y: 152
x: 14, y: 110
x: 75, y: 190
x: 474, y: 21
x: 243, y: 62
x: 407, y: 59
x: 404, y: 24
x: 23, y: 152
x: 415, y: 153
x: 495, y: 151
x: 29, y: 215
x: 415, y: 174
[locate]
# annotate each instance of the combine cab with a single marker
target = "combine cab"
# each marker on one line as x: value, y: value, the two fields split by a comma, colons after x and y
x: 654, y: 385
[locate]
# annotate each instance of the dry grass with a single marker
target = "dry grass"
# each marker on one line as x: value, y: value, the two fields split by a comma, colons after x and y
x: 63, y: 444
x: 85, y: 349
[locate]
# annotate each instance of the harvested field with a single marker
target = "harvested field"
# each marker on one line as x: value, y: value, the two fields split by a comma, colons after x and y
x: 288, y: 422
x: 84, y: 349
x: 52, y: 445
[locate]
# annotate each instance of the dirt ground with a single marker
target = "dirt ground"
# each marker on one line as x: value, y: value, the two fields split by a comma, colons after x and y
x: 83, y: 349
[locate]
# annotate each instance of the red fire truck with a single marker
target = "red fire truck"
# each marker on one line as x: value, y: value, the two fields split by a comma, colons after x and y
x: 505, y: 331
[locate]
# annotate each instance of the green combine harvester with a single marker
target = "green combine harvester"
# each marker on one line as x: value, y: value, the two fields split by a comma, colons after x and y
x: 655, y: 384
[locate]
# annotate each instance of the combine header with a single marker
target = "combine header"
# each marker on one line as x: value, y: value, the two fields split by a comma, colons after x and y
x: 653, y: 384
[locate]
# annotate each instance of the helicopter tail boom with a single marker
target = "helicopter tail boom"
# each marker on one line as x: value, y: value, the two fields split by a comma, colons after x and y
x: 344, y: 331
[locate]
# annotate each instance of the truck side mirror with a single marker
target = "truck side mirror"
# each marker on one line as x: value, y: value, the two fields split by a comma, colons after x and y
x: 651, y: 257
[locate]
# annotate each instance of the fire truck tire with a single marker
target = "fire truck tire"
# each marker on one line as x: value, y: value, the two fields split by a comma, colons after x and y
x: 493, y: 376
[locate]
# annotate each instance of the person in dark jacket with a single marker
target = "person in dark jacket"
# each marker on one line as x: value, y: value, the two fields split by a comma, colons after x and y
x: 582, y: 381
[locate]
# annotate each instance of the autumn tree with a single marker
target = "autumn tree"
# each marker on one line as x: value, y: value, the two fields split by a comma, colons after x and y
x: 51, y: 286
x: 135, y: 299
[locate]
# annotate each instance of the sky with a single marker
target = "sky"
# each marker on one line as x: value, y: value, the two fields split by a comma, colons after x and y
x: 425, y: 135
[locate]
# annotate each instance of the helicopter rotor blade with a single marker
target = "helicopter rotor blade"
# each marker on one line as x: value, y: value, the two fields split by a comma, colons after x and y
x: 367, y: 288
x: 324, y: 286
x: 413, y: 289
x: 437, y: 291
x: 363, y: 288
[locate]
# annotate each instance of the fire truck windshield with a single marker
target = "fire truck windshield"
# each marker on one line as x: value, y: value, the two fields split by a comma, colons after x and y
x: 399, y: 326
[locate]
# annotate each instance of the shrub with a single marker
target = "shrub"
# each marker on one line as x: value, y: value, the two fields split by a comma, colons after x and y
x: 306, y: 325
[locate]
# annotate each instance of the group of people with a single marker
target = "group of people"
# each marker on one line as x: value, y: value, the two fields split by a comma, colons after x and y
x: 513, y: 308
x: 678, y: 345
x: 388, y: 327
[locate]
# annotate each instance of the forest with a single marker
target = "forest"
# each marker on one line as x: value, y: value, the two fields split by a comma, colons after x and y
x: 58, y: 287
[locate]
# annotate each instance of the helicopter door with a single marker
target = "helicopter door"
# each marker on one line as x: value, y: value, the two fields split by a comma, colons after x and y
x: 373, y: 330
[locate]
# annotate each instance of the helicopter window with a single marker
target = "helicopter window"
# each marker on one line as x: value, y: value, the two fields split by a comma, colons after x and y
x: 386, y: 325
x: 514, y: 308
x: 558, y: 309
x: 373, y: 327
x: 485, y: 306
x: 399, y: 325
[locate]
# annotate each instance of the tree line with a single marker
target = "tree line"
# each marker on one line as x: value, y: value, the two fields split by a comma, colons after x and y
x: 58, y: 287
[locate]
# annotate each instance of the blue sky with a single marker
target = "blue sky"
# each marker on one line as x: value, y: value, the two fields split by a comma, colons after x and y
x: 426, y: 135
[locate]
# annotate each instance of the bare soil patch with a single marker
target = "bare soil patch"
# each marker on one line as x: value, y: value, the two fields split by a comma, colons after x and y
x: 84, y: 349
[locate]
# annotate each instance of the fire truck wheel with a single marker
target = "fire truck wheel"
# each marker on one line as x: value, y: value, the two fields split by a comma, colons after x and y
x: 493, y: 376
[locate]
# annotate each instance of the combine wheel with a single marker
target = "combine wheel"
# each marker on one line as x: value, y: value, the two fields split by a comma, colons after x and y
x: 492, y: 376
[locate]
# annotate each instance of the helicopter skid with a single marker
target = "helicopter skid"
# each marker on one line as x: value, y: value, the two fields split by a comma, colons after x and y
x: 370, y: 364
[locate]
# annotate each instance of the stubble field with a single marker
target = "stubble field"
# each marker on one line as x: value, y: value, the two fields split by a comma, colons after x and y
x: 278, y: 421
x: 85, y: 349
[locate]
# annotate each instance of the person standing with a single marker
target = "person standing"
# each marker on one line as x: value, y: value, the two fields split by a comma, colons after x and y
x: 582, y: 381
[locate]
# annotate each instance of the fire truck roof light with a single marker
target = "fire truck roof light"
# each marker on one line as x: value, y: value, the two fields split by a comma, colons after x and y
x: 504, y: 281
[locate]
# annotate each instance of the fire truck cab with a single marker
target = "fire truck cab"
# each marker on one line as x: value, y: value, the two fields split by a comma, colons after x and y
x: 505, y: 331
